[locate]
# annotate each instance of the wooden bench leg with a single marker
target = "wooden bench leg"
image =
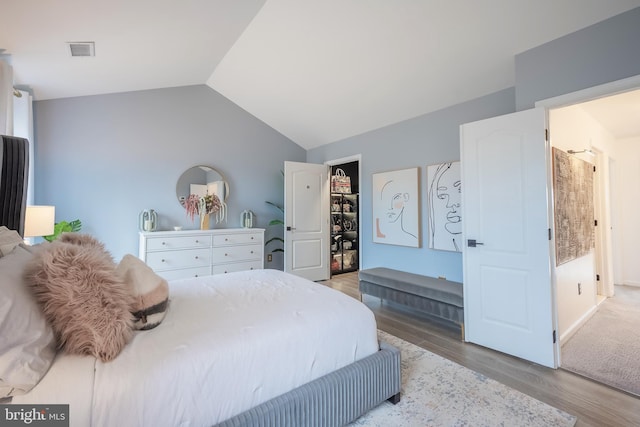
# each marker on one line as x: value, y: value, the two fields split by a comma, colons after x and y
x: 462, y: 330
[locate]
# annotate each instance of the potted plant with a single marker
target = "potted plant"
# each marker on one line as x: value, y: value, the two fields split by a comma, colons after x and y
x: 279, y: 222
x: 63, y: 227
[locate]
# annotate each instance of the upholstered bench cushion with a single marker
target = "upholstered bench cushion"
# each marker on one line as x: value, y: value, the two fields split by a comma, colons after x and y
x: 428, y: 287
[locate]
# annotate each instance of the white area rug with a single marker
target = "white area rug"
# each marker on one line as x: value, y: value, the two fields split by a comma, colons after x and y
x: 439, y: 392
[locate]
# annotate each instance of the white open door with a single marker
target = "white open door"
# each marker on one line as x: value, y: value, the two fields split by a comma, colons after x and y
x: 306, y: 218
x: 508, y: 298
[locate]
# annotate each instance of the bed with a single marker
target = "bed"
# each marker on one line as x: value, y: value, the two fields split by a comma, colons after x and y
x: 258, y: 347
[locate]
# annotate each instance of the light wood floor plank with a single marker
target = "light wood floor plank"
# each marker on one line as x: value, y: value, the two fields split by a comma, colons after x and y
x: 595, y: 404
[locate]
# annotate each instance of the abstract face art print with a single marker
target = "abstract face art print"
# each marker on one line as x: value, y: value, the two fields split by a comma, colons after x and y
x: 445, y: 218
x: 396, y: 208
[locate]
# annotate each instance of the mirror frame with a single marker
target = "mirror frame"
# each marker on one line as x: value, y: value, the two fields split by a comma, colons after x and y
x: 184, y: 180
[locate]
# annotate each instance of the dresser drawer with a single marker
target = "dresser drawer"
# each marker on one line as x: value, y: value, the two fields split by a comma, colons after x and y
x: 237, y: 239
x: 178, y: 242
x: 168, y: 260
x: 189, y: 253
x: 236, y: 253
x: 185, y: 273
x: 238, y: 266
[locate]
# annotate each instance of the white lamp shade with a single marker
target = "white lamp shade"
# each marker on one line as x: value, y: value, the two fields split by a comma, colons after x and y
x: 39, y: 221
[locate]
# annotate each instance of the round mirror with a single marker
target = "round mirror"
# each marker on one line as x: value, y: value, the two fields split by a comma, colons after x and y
x: 201, y: 180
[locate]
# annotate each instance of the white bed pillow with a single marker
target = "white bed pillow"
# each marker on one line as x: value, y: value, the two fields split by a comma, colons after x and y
x: 150, y: 292
x: 27, y: 347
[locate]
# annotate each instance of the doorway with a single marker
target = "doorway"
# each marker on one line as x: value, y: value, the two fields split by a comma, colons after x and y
x: 606, y: 128
x: 345, y: 215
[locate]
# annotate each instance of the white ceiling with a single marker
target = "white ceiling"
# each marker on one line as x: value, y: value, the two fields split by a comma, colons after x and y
x: 317, y: 71
x: 619, y: 114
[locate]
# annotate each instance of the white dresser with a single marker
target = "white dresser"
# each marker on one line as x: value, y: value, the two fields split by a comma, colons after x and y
x: 193, y: 253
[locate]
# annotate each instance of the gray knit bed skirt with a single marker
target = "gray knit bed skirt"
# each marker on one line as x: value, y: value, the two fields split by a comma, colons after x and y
x: 335, y: 399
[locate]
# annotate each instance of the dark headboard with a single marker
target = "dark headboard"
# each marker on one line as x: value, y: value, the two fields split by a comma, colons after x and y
x: 14, y: 176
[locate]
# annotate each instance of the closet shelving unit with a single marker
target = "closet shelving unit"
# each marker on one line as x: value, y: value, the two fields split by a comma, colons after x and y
x: 344, y: 232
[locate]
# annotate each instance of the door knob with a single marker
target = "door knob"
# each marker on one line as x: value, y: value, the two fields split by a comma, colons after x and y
x: 472, y: 243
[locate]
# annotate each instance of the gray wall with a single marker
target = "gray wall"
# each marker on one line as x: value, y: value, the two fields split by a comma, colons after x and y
x: 602, y: 53
x: 105, y: 158
x: 428, y: 139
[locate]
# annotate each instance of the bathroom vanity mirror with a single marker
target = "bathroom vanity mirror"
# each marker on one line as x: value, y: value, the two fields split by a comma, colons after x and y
x: 201, y: 180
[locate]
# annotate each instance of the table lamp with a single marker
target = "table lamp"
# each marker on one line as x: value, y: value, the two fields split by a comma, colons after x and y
x: 39, y: 221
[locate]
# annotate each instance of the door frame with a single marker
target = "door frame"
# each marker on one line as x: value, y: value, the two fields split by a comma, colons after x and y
x: 566, y: 100
x: 350, y: 159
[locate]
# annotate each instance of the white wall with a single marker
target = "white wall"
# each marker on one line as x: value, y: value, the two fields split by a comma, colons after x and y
x: 625, y: 194
x: 572, y: 128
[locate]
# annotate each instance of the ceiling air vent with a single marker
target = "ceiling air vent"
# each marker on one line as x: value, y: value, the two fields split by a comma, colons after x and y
x: 82, y: 48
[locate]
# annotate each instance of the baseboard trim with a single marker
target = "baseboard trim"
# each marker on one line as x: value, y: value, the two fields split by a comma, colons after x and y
x: 577, y: 324
x: 628, y: 283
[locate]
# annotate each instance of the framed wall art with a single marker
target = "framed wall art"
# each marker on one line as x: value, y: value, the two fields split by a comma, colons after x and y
x: 443, y: 202
x: 573, y: 206
x: 396, y: 208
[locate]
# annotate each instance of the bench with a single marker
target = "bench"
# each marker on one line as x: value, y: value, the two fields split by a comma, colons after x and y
x: 436, y: 297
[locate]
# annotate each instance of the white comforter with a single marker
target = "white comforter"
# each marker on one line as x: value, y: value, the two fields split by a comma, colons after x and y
x: 227, y: 343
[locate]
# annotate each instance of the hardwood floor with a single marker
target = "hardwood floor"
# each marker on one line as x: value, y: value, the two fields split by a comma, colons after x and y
x: 593, y: 403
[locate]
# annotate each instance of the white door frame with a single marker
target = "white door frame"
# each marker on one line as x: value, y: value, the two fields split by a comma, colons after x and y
x: 585, y: 95
x: 602, y: 205
x: 591, y: 93
x: 349, y: 159
x: 578, y: 97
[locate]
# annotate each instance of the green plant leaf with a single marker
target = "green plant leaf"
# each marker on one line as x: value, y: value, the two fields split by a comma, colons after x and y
x: 63, y: 227
x: 76, y: 225
x: 277, y: 206
x: 274, y: 239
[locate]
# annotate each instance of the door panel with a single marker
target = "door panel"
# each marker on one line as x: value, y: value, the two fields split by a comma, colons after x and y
x: 307, y: 254
x: 505, y: 200
x: 306, y: 220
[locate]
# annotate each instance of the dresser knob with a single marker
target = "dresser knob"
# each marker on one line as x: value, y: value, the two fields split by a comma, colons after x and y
x: 251, y: 251
x: 226, y: 240
x: 197, y: 241
x: 226, y: 254
x: 163, y: 260
x: 251, y: 237
x: 196, y: 256
x: 163, y: 243
x: 195, y: 275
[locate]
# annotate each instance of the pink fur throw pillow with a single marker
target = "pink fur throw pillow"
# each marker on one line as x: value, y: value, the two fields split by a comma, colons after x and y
x: 85, y: 302
x: 85, y: 240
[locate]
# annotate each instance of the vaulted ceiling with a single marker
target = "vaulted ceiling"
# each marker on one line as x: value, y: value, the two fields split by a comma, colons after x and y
x: 317, y: 71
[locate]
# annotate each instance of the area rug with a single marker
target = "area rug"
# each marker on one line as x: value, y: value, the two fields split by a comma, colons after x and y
x: 606, y: 348
x: 439, y: 392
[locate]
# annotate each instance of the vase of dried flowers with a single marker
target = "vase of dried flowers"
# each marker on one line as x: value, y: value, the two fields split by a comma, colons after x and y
x: 204, y: 207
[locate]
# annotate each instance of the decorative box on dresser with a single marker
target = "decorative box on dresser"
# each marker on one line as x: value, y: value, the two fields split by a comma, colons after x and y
x: 193, y: 253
